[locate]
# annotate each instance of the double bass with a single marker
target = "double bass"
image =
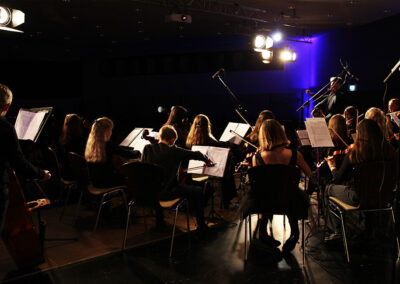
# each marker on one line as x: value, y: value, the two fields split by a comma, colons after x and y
x: 19, y: 234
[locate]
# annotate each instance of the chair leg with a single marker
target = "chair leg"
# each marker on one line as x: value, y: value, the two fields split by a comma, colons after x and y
x: 346, y: 249
x: 245, y: 239
x: 98, y: 213
x: 187, y: 222
x: 173, y: 230
x: 77, y: 207
x: 131, y: 203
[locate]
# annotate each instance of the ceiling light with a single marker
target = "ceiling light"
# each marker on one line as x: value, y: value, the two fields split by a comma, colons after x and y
x: 259, y: 41
x: 277, y: 37
x: 266, y: 54
x: 11, y: 18
x: 288, y: 55
x: 5, y: 16
x: 262, y: 42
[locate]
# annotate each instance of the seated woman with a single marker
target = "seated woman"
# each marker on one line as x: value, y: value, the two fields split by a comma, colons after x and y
x: 99, y: 155
x: 369, y: 146
x: 200, y: 134
x: 71, y: 140
x: 178, y: 118
x: 253, y: 136
x: 273, y: 143
x: 351, y: 116
x: 384, y: 124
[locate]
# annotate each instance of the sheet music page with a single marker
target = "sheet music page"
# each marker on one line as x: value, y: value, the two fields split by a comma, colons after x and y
x: 303, y: 137
x: 239, y: 128
x: 138, y: 142
x: 395, y: 118
x: 131, y: 136
x: 318, y: 132
x: 27, y: 124
x: 218, y: 155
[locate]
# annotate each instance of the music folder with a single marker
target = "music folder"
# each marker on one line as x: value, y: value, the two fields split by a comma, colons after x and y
x: 136, y: 141
x: 318, y: 132
x: 30, y: 122
x: 239, y: 128
x: 216, y: 154
x: 303, y: 137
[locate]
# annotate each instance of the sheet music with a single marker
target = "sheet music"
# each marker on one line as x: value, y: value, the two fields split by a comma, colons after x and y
x: 303, y: 137
x: 131, y: 136
x: 239, y: 128
x: 318, y: 132
x: 28, y: 123
x: 134, y: 139
x: 395, y: 118
x: 218, y: 155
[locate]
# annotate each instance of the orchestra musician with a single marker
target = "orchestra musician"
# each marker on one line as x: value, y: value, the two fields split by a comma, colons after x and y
x: 200, y: 134
x: 333, y: 102
x: 394, y: 105
x: 384, y: 124
x: 253, y: 135
x: 273, y: 143
x: 11, y: 155
x: 99, y: 155
x: 351, y: 116
x: 72, y: 140
x: 369, y: 146
x: 178, y: 118
x: 169, y: 156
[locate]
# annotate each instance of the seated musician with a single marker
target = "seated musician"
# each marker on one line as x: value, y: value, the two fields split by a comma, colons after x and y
x: 72, y: 140
x: 384, y: 124
x: 351, y: 116
x: 11, y: 155
x: 169, y: 156
x: 99, y: 154
x: 273, y: 143
x: 200, y: 134
x: 178, y: 118
x: 394, y: 107
x: 253, y: 135
x: 369, y: 146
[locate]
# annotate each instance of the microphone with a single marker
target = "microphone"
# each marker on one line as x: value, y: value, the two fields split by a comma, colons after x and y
x: 348, y: 71
x: 217, y: 73
x: 392, y: 71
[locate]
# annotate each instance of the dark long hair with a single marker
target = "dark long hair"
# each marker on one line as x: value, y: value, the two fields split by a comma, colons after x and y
x: 264, y: 115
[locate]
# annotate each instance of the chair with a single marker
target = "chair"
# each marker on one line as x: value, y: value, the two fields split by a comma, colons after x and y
x: 374, y: 183
x: 80, y: 171
x: 56, y: 170
x: 145, y: 184
x: 271, y: 187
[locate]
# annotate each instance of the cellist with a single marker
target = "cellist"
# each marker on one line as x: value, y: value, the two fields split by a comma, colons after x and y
x: 11, y: 155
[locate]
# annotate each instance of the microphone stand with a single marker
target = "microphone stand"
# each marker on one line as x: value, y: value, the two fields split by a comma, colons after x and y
x: 238, y: 108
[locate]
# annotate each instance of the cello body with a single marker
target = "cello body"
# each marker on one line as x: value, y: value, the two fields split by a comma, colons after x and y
x: 19, y: 234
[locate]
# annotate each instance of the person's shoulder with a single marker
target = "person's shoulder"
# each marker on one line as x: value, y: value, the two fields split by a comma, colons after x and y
x: 5, y: 126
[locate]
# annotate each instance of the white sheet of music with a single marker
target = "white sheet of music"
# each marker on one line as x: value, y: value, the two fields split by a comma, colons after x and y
x: 395, y: 118
x: 218, y: 155
x: 27, y: 124
x: 303, y: 137
x: 134, y: 139
x: 239, y: 128
x: 318, y: 132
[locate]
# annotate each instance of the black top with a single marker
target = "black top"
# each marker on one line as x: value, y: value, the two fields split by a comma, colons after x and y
x: 12, y: 156
x: 292, y: 162
x: 333, y: 103
x: 169, y: 158
x: 104, y: 174
x: 76, y: 145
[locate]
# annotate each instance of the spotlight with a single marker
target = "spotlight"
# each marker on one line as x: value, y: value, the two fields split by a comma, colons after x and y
x: 262, y: 42
x: 288, y: 55
x: 277, y: 37
x: 352, y: 88
x: 266, y: 54
x: 11, y: 18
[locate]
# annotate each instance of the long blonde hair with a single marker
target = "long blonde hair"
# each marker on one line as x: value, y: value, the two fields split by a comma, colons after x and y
x: 379, y: 117
x: 272, y: 135
x: 200, y: 131
x: 96, y: 144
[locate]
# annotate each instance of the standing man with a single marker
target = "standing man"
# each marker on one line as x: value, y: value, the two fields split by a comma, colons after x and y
x: 334, y: 101
x: 169, y: 157
x: 11, y: 155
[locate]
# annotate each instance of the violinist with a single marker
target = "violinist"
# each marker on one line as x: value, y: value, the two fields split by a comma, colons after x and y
x: 369, y: 146
x: 169, y: 156
x: 273, y: 143
x: 11, y: 155
x: 99, y: 154
x: 384, y: 124
x: 200, y: 134
x: 351, y: 117
x: 178, y: 118
x: 394, y: 105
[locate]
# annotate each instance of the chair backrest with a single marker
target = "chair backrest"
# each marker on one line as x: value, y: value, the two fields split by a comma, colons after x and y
x: 375, y: 183
x: 273, y: 187
x: 53, y: 163
x: 79, y: 169
x: 144, y: 181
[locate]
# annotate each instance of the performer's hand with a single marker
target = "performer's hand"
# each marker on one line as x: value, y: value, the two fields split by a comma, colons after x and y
x: 210, y: 163
x: 47, y: 175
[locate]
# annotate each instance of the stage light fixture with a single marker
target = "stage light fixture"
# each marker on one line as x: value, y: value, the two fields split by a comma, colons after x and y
x: 277, y: 36
x: 352, y: 88
x: 262, y: 42
x: 288, y: 55
x: 266, y: 54
x: 11, y: 18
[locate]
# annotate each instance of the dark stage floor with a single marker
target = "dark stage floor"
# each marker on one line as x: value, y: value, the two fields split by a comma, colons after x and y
x: 219, y: 259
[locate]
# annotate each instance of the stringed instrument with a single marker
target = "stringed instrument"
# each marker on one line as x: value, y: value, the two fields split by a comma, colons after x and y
x: 19, y: 234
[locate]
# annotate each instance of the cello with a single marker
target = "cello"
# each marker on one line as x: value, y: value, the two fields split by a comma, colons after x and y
x: 19, y: 234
